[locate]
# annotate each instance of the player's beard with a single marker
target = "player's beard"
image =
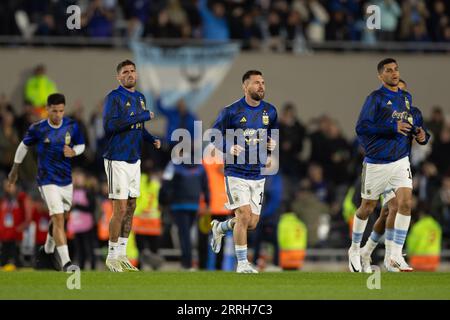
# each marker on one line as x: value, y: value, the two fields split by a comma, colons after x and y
x: 129, y: 84
x: 257, y: 95
x: 393, y: 83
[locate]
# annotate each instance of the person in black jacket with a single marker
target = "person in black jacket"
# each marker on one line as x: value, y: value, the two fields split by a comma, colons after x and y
x: 182, y: 187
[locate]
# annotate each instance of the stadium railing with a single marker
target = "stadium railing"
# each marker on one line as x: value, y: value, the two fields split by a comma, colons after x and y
x: 296, y: 45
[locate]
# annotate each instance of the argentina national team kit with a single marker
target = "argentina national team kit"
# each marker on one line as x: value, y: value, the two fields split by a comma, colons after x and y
x: 54, y: 176
x: 124, y: 114
x: 244, y: 182
x: 386, y: 164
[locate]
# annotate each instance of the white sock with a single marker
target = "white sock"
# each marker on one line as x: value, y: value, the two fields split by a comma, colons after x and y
x: 63, y: 252
x: 370, y: 246
x: 50, y: 244
x: 359, y: 226
x: 241, y: 253
x: 401, y: 226
x: 389, y: 238
x: 113, y: 250
x: 388, y: 246
x: 122, y: 246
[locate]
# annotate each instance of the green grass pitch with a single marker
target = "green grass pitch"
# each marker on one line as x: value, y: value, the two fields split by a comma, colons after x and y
x: 223, y: 285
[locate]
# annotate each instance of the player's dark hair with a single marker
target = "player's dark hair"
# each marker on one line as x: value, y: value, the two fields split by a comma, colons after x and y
x: 402, y: 81
x: 123, y: 64
x: 384, y: 62
x: 250, y: 73
x: 56, y: 98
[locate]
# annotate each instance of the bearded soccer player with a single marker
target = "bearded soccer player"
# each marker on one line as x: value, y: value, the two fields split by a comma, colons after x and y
x: 386, y: 127
x: 57, y: 139
x: 124, y: 115
x: 252, y: 120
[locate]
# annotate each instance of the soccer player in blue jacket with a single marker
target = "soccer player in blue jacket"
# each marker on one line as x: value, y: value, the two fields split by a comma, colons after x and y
x: 57, y: 140
x: 385, y: 128
x: 252, y: 120
x: 124, y: 115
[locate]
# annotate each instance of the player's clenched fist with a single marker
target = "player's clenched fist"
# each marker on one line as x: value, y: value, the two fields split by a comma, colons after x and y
x: 403, y: 127
x: 236, y: 150
x: 271, y: 145
x: 69, y: 152
x: 421, y: 135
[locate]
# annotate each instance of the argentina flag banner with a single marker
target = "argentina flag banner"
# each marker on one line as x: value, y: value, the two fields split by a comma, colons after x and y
x: 190, y: 73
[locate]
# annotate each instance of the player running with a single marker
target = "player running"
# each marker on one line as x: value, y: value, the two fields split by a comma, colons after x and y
x: 57, y: 139
x: 386, y: 220
x: 252, y: 120
x: 124, y: 115
x: 385, y: 128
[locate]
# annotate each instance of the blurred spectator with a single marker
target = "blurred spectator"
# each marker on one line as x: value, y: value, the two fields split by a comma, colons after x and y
x: 413, y: 20
x: 428, y: 182
x: 338, y: 28
x: 161, y: 26
x: 97, y: 136
x: 317, y: 17
x: 25, y: 119
x: 214, y: 168
x: 319, y: 186
x: 249, y: 32
x: 15, y: 215
x: 390, y: 13
x: 274, y: 27
x: 320, y: 149
x: 440, y: 208
x: 7, y: 17
x: 182, y: 187
x: 147, y: 220
x: 292, y: 135
x: 99, y: 18
x: 336, y: 170
x: 37, y: 88
x: 440, y: 155
x: 310, y: 209
x: 436, y: 122
x: 9, y: 140
x: 41, y: 219
x: 266, y: 230
x: 438, y: 20
x: 215, y: 25
x: 82, y: 220
x: 177, y: 118
x: 5, y: 105
x: 78, y: 115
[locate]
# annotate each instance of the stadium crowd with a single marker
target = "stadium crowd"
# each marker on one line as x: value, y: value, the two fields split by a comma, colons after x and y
x: 276, y: 25
x: 318, y: 181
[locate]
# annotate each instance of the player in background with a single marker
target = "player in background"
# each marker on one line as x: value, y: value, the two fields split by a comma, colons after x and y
x: 57, y: 139
x: 385, y: 128
x: 124, y: 115
x: 244, y: 182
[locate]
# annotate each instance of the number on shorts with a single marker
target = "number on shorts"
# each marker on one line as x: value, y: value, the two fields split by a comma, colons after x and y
x: 409, y: 173
x: 260, y: 198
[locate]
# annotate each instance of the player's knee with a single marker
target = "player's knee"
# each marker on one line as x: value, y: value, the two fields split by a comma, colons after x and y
x: 131, y: 207
x: 58, y: 221
x: 366, y: 208
x: 244, y: 218
x: 405, y: 205
x: 252, y: 225
x: 121, y: 212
